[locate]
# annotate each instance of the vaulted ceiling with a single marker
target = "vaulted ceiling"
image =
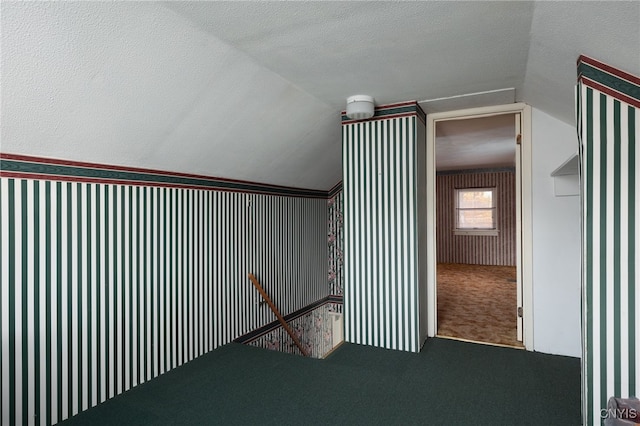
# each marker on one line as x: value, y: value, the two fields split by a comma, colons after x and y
x: 254, y: 90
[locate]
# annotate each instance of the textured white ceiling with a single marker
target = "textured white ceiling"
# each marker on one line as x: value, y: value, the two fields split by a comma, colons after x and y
x: 563, y: 30
x: 391, y: 51
x: 469, y: 100
x: 254, y: 90
x: 476, y: 143
x: 135, y: 84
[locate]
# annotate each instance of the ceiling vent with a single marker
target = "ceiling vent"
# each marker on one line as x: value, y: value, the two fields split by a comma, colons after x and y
x: 360, y: 107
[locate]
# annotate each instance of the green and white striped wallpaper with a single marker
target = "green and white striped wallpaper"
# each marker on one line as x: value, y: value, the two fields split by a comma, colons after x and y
x: 380, y: 179
x: 105, y: 286
x: 608, y: 126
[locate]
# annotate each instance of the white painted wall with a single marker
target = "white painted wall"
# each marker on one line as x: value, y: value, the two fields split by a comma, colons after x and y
x: 556, y: 242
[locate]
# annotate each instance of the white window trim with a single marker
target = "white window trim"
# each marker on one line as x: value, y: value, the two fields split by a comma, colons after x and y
x: 477, y: 231
x: 481, y: 232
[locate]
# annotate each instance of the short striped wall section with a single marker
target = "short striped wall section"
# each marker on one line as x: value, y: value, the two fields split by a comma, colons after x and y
x: 381, y: 232
x: 335, y: 241
x: 105, y: 286
x: 610, y: 159
x: 311, y: 325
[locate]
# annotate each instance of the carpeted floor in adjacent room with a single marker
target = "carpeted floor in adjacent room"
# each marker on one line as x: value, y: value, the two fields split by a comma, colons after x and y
x: 478, y: 303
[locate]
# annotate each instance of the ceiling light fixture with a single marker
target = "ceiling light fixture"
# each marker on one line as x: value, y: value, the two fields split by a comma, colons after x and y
x: 360, y: 107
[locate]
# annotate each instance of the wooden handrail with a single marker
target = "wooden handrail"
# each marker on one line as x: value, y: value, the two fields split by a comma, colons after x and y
x: 267, y: 299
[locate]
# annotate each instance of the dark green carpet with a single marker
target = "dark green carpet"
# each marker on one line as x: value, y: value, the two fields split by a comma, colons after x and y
x: 448, y: 383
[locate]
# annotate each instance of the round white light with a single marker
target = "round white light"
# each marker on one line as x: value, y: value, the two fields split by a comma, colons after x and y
x: 360, y: 107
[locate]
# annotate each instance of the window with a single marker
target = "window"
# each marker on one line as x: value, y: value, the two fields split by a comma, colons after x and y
x: 476, y: 211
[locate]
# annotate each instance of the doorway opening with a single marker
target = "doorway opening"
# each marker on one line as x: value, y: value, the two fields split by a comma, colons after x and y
x: 476, y: 251
x: 478, y: 172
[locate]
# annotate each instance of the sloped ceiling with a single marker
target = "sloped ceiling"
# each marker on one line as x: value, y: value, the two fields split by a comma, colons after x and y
x: 254, y: 90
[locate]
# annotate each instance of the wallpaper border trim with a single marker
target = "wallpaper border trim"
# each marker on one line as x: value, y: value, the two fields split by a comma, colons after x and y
x: 609, y: 80
x: 397, y: 110
x: 335, y: 190
x: 30, y: 167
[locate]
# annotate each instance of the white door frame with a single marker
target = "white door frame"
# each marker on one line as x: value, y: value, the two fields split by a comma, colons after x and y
x: 527, y: 260
x: 518, y: 139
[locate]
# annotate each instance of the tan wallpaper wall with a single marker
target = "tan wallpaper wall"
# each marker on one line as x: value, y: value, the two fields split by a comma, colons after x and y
x: 473, y: 249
